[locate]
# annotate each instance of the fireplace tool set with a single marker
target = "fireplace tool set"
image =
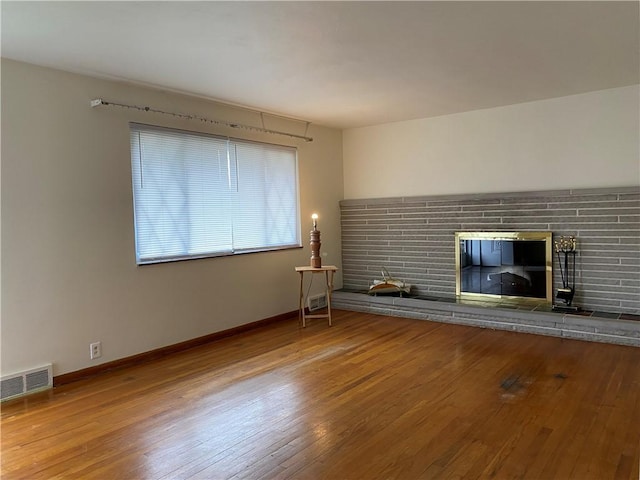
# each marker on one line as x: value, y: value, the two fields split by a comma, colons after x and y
x: 566, y: 252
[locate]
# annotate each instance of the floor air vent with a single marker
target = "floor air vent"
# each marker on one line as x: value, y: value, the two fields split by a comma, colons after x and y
x: 26, y: 382
x: 316, y: 302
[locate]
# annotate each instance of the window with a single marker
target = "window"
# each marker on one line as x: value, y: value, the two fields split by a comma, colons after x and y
x: 198, y: 195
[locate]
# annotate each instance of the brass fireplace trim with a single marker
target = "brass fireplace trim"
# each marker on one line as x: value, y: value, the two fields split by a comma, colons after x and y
x: 545, y: 236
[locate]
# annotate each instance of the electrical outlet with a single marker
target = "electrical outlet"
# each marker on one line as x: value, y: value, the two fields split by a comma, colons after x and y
x: 95, y: 350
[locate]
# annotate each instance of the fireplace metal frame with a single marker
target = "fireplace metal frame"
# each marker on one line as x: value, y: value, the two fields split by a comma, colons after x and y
x: 545, y: 236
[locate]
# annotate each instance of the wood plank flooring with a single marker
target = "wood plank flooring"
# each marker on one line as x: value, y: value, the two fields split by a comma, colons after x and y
x: 371, y: 397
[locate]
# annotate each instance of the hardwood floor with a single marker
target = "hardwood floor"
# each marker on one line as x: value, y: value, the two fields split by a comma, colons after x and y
x: 371, y: 397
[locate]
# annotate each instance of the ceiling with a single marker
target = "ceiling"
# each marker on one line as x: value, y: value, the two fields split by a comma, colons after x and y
x: 339, y: 64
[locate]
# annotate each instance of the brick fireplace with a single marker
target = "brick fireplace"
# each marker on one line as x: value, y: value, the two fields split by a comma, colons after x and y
x: 413, y: 237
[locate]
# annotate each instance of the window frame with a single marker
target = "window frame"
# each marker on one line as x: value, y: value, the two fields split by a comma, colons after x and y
x: 231, y: 143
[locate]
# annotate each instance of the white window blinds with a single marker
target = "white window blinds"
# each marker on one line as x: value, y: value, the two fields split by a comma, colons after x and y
x: 198, y: 195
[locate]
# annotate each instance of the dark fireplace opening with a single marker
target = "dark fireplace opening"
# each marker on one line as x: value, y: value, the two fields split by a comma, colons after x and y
x: 504, y: 264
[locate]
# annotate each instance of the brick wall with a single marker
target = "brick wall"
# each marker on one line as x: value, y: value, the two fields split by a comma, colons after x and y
x: 413, y: 237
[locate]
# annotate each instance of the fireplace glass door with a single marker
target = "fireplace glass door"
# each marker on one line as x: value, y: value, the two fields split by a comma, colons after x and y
x: 503, y: 266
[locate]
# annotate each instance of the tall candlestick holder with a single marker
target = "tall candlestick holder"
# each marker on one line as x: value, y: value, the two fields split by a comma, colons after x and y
x: 566, y: 252
x: 316, y: 260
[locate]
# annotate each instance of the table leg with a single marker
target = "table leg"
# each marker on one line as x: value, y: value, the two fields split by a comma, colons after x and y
x: 301, y: 301
x: 329, y: 290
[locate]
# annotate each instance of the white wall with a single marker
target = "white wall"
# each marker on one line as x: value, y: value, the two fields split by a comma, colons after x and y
x: 69, y: 276
x: 581, y: 141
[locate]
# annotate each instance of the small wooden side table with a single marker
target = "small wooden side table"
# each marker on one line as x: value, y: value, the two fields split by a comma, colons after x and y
x: 328, y: 271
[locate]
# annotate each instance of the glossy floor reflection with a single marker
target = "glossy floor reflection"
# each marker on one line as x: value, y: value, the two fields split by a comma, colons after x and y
x: 371, y: 397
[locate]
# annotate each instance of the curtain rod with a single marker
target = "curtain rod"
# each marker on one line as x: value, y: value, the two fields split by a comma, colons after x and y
x: 98, y: 101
